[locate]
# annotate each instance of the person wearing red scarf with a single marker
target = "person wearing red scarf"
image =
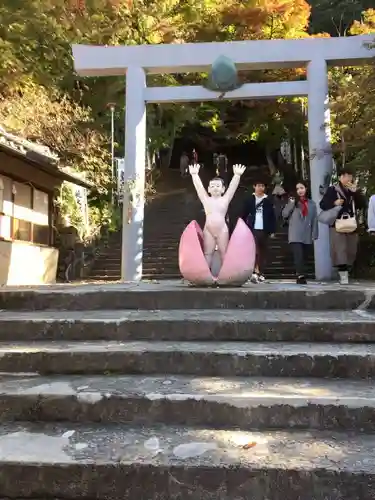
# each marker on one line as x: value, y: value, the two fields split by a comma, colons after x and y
x: 301, y: 215
x: 304, y: 206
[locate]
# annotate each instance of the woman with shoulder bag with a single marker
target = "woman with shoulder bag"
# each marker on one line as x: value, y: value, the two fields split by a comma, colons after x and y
x: 302, y: 217
x: 340, y: 204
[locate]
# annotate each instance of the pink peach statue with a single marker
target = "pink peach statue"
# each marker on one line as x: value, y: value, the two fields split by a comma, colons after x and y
x: 209, y: 257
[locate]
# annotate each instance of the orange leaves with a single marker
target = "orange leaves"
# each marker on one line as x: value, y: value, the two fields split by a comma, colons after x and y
x: 247, y: 21
x: 267, y: 19
x: 321, y: 35
x: 77, y: 5
x: 286, y: 8
x: 286, y: 18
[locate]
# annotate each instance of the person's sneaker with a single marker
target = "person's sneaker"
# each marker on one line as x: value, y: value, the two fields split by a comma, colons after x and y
x: 301, y: 280
x: 254, y: 278
x: 261, y: 278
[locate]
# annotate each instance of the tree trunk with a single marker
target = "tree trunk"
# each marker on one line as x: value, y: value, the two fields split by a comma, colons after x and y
x: 170, y: 152
x: 271, y: 165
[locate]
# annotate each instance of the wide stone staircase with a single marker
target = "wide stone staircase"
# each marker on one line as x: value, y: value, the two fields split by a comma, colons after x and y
x: 165, y: 392
x: 167, y: 215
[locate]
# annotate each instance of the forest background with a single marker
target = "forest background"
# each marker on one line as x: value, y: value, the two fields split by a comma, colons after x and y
x: 43, y: 100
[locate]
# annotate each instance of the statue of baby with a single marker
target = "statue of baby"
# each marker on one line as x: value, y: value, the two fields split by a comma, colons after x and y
x: 215, y: 203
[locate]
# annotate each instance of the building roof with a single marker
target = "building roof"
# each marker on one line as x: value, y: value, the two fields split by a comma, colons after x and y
x: 40, y: 156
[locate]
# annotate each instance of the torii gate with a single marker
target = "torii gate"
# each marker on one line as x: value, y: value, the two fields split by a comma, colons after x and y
x: 137, y: 61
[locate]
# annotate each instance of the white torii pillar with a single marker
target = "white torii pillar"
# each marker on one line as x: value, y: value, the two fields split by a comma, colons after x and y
x: 320, y: 153
x: 135, y: 159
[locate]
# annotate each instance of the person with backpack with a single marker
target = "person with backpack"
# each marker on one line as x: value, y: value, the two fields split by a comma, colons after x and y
x: 339, y: 205
x: 259, y: 215
x: 301, y: 215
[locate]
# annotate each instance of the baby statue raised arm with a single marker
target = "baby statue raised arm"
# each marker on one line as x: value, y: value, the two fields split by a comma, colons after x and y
x: 215, y: 203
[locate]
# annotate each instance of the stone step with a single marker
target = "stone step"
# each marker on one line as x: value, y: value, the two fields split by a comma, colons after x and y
x: 146, y: 276
x: 137, y: 463
x: 170, y: 267
x: 97, y: 277
x: 157, y: 243
x: 177, y: 295
x: 161, y: 243
x: 150, y: 253
x: 162, y: 264
x: 192, y: 324
x: 160, y: 272
x: 246, y: 403
x: 109, y: 272
x: 170, y: 259
x: 176, y: 229
x: 222, y: 359
x: 147, y: 252
x: 165, y: 251
x: 115, y: 260
x: 171, y: 255
x: 161, y: 269
x: 159, y: 239
x: 157, y: 266
x: 156, y: 276
x: 163, y: 277
x: 173, y: 273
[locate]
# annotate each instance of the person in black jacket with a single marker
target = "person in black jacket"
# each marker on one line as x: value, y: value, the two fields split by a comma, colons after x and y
x: 259, y: 215
x: 343, y: 245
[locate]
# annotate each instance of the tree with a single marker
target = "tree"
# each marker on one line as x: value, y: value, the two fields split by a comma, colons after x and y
x: 56, y: 121
x: 365, y: 25
x: 39, y: 53
x: 266, y: 19
x: 266, y: 121
x: 353, y: 110
x: 336, y: 16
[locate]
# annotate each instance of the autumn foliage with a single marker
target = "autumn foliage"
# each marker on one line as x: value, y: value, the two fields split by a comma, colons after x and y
x: 354, y: 109
x: 267, y: 19
x: 35, y: 60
